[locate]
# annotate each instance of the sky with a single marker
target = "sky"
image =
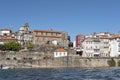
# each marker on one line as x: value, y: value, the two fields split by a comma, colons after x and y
x: 73, y: 16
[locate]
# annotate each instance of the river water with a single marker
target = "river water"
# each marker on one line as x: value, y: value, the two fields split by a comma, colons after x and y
x: 61, y: 74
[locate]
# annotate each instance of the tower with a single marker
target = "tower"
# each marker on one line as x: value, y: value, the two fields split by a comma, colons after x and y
x: 26, y: 27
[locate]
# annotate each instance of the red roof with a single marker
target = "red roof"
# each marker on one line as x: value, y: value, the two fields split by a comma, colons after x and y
x: 7, y: 38
x: 60, y: 50
x: 51, y: 31
x: 79, y: 35
x: 47, y: 36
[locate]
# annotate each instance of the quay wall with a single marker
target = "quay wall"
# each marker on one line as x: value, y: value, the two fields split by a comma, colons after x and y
x: 38, y: 61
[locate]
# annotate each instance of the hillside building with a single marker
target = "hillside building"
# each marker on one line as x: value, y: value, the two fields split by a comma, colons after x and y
x: 24, y: 35
x: 57, y: 38
x: 6, y: 35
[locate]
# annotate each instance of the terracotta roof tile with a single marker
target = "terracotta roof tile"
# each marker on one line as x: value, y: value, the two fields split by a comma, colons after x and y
x: 60, y: 50
x: 7, y: 38
x: 80, y: 35
x: 47, y: 36
x: 51, y: 31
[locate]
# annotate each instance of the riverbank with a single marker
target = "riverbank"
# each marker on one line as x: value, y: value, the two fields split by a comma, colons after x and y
x: 34, y: 61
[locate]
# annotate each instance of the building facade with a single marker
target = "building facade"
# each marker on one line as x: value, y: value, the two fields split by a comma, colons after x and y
x: 105, y: 51
x: 91, y: 47
x: 79, y: 40
x: 97, y: 44
x: 60, y: 52
x: 6, y: 35
x: 42, y: 37
x: 114, y: 46
x: 24, y: 35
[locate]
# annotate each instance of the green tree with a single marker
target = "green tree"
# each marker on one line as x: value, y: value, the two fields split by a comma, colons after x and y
x: 29, y: 45
x: 119, y: 63
x: 12, y: 46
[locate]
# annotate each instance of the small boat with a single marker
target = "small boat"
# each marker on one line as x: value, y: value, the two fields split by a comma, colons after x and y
x: 6, y: 67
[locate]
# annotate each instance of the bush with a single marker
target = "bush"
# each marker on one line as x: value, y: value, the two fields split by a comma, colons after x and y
x: 111, y: 62
x: 119, y: 63
x: 12, y: 46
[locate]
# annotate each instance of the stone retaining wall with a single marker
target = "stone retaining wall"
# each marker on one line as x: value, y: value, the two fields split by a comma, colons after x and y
x: 38, y: 61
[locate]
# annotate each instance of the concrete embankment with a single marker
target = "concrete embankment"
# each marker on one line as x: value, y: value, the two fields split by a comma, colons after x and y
x: 35, y: 61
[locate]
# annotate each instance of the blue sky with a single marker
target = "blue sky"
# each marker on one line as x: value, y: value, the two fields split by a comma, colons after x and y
x: 73, y: 16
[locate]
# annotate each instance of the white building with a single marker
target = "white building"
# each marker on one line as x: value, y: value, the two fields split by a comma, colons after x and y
x: 6, y: 35
x: 114, y: 46
x: 5, y: 32
x: 74, y: 44
x: 24, y: 35
x: 60, y: 52
x: 91, y: 47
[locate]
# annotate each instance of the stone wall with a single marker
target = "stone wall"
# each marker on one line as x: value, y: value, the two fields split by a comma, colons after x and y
x: 37, y: 61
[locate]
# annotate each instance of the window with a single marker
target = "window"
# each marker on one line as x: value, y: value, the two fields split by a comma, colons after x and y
x: 64, y: 53
x: 14, y: 58
x: 56, y: 54
x: 60, y: 54
x: 91, y: 47
x: 7, y: 58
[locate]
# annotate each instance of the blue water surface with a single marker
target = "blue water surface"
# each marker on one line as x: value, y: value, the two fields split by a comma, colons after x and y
x: 61, y: 74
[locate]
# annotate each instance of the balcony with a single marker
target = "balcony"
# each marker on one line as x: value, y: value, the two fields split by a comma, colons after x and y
x: 106, y: 46
x: 97, y: 47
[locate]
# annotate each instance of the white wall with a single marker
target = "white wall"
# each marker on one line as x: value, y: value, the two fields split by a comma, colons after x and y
x: 114, y: 47
x: 74, y: 44
x: 4, y: 32
x: 60, y: 54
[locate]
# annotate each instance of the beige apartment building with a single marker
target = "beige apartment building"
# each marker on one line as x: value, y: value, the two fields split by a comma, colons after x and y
x: 105, y: 52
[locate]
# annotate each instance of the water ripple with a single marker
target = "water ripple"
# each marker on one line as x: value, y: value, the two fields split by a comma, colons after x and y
x: 61, y: 74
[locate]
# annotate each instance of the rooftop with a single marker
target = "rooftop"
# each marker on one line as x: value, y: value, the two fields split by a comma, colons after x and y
x: 51, y: 31
x: 60, y: 50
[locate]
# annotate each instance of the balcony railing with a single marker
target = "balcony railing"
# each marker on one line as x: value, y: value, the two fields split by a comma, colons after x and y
x: 96, y: 47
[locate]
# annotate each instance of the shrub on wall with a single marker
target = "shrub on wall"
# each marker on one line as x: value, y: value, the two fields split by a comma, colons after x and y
x: 111, y: 62
x: 119, y: 63
x: 12, y: 46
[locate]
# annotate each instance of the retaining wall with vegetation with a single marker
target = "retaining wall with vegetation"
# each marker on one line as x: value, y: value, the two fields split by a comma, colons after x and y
x: 38, y: 61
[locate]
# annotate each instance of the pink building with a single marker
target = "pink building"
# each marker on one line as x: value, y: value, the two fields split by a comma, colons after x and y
x: 79, y: 40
